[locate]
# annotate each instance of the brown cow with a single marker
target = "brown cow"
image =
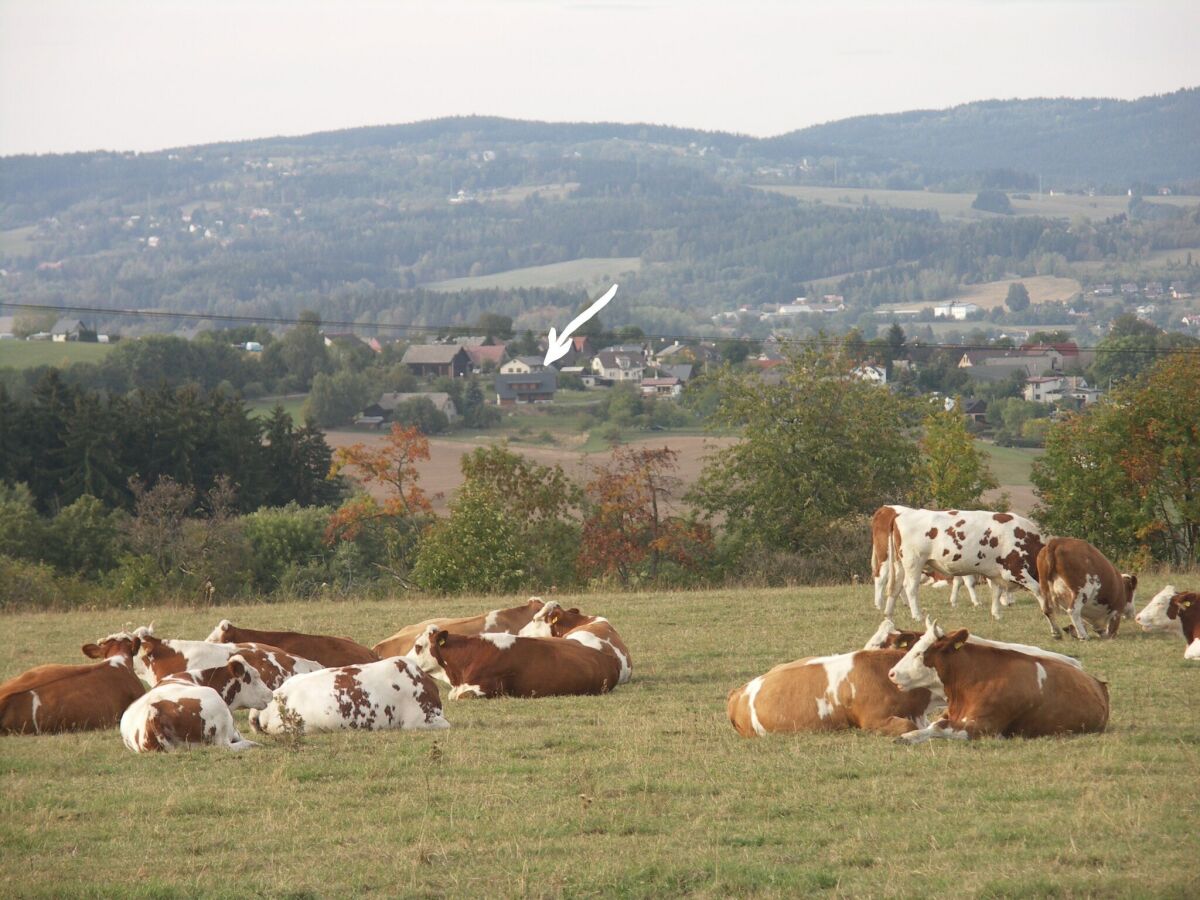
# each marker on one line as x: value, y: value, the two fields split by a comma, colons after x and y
x: 591, y: 631
x: 73, y: 698
x: 887, y: 637
x: 998, y: 691
x: 1172, y: 610
x: 328, y: 651
x: 1078, y: 579
x: 159, y: 658
x: 498, y: 665
x: 829, y: 693
x: 498, y: 621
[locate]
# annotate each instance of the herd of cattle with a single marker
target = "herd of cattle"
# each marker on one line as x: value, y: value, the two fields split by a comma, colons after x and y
x: 292, y: 681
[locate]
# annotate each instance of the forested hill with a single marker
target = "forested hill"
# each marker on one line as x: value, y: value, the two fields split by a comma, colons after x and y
x: 1098, y: 141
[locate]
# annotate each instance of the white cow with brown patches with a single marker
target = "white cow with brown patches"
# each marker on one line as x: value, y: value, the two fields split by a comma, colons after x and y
x: 1001, y: 547
x: 193, y: 709
x: 389, y: 694
x: 157, y: 658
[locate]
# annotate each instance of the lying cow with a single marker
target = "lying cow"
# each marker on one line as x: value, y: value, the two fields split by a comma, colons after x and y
x: 591, y: 631
x: 498, y: 621
x: 886, y: 636
x: 324, y: 649
x: 54, y: 698
x: 998, y: 691
x: 1078, y: 579
x: 829, y: 693
x: 390, y: 693
x: 504, y: 665
x: 1176, y: 612
x: 157, y: 658
x: 193, y: 709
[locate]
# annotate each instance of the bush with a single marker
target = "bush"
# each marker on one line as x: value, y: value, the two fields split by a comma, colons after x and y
x: 284, y: 541
x: 33, y: 585
x: 476, y: 550
x: 993, y: 201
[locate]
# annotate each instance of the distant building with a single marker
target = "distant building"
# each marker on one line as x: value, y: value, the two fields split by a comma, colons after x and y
x: 481, y: 355
x: 383, y: 408
x: 952, y: 310
x: 662, y: 387
x: 70, y: 330
x: 432, y: 360
x: 612, y: 365
x: 533, y: 387
x: 523, y: 365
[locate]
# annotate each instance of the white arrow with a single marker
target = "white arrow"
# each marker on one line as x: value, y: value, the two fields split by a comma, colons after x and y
x: 558, y: 346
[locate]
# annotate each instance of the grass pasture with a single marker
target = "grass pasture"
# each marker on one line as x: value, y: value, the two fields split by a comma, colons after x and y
x: 28, y: 354
x: 588, y: 271
x: 644, y: 792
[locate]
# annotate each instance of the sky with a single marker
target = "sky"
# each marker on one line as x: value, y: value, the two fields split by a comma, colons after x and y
x: 152, y: 74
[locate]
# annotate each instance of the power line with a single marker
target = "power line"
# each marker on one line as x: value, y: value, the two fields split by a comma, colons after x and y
x: 440, y: 329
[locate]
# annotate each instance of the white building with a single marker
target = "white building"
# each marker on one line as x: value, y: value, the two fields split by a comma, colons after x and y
x: 954, y: 310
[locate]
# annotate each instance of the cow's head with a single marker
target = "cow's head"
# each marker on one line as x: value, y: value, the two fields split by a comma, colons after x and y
x: 1155, y: 617
x: 422, y: 650
x: 1130, y: 582
x: 916, y: 670
x: 887, y: 636
x: 246, y: 689
x: 218, y: 635
x: 1179, y: 605
x: 542, y: 623
x: 120, y: 644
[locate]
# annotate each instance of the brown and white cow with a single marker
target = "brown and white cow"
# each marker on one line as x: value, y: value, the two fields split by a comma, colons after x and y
x: 1001, y: 547
x: 193, y: 709
x: 498, y: 621
x: 1078, y: 579
x: 829, y: 693
x: 157, y: 658
x: 552, y: 620
x: 1177, y: 612
x: 504, y: 665
x: 324, y: 649
x: 996, y: 691
x: 389, y: 694
x: 55, y: 698
x: 887, y: 636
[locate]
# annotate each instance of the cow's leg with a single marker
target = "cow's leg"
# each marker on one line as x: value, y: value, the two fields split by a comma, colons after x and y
x: 955, y: 581
x: 881, y: 583
x: 1048, y: 611
x: 946, y: 729
x: 912, y: 581
x: 893, y: 726
x: 970, y: 581
x: 996, y: 595
x: 1077, y: 623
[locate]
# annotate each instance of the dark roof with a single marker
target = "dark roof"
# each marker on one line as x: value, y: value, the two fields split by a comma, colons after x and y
x: 68, y: 326
x: 683, y: 371
x: 432, y: 354
x: 486, y: 353
x: 545, y: 382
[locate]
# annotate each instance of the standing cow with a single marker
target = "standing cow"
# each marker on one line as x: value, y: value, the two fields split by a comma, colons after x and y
x: 1002, y: 547
x: 1078, y: 579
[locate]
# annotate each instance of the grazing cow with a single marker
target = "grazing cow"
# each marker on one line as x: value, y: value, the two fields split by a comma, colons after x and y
x: 391, y: 693
x: 498, y: 621
x: 55, y: 698
x: 887, y: 637
x: 999, y: 546
x: 829, y: 693
x: 1078, y: 579
x: 328, y: 651
x: 1176, y: 612
x: 998, y: 691
x: 496, y: 665
x: 157, y: 658
x: 191, y: 709
x: 591, y: 631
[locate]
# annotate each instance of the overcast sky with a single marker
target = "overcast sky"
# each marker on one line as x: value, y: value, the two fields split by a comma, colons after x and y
x: 150, y: 74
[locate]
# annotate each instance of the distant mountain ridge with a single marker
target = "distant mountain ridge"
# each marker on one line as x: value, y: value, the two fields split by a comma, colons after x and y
x: 1152, y: 139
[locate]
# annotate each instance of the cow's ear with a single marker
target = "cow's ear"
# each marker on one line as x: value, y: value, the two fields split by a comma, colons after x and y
x: 555, y: 617
x: 237, y: 668
x: 575, y: 609
x: 438, y: 638
x: 956, y: 640
x: 92, y: 651
x: 903, y: 643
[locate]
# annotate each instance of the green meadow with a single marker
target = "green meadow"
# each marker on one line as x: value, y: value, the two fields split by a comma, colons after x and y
x: 645, y: 792
x: 28, y: 354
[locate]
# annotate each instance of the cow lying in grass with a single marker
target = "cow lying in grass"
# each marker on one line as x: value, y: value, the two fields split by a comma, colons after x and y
x: 998, y: 691
x: 1174, y: 611
x: 829, y: 693
x: 504, y: 665
x: 392, y: 693
x: 321, y: 648
x: 158, y: 658
x: 498, y: 621
x: 886, y: 636
x: 591, y: 631
x: 193, y: 709
x: 55, y: 698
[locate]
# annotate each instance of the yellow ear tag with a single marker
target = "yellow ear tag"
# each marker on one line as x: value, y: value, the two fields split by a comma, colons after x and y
x: 958, y: 646
x: 442, y: 642
x: 554, y: 619
x: 1184, y: 604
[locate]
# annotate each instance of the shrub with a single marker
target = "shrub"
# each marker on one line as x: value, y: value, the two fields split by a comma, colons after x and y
x: 477, y: 549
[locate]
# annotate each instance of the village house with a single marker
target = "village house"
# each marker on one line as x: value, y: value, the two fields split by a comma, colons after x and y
x: 953, y: 310
x: 482, y: 355
x: 523, y: 365
x: 871, y: 373
x: 532, y: 387
x: 662, y: 387
x: 1056, y: 388
x: 70, y: 330
x: 432, y: 360
x: 381, y: 410
x: 615, y: 365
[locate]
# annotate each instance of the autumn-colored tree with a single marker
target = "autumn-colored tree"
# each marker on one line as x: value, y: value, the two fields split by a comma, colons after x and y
x: 1125, y: 473
x: 392, y: 508
x: 954, y: 473
x: 628, y: 530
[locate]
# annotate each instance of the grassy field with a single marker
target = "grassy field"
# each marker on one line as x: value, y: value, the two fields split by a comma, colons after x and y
x: 644, y: 792
x: 958, y: 206
x: 27, y: 354
x: 588, y: 271
x: 292, y: 404
x: 1042, y: 289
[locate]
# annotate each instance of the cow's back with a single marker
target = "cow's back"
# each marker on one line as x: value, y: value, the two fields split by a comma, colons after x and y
x: 402, y: 641
x: 1068, y: 701
x: 327, y: 650
x: 67, y: 698
x: 972, y: 542
x: 1065, y: 564
x: 540, y: 667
